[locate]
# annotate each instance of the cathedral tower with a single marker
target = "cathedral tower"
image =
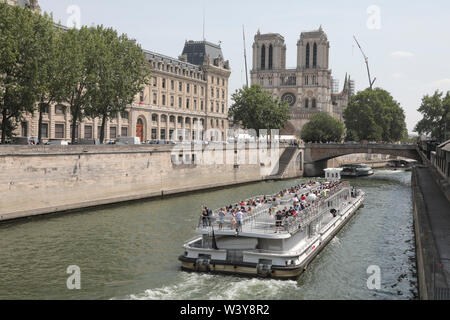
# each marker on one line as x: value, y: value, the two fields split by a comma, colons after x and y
x: 269, y: 52
x: 313, y: 50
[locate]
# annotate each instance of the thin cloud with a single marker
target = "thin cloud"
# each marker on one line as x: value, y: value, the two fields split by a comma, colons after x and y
x: 442, y: 85
x: 402, y: 54
x: 398, y: 75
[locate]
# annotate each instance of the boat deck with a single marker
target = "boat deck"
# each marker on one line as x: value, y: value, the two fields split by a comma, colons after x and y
x: 259, y: 223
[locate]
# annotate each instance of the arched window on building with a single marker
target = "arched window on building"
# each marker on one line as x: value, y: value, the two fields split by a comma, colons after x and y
x: 307, y: 55
x: 263, y: 57
x: 315, y: 55
x: 270, y: 57
x: 314, y: 104
x: 306, y: 103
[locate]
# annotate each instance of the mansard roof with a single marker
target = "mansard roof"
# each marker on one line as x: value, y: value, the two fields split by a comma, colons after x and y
x: 195, y: 51
x: 169, y: 60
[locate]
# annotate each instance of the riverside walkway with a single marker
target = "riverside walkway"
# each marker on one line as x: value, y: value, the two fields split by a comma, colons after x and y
x: 432, y: 210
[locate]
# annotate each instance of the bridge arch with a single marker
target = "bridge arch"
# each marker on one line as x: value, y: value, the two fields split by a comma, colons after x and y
x: 317, y: 155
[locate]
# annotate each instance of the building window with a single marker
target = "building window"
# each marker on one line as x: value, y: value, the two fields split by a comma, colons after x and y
x: 59, y: 109
x: 217, y: 93
x: 164, y: 99
x: 212, y: 106
x: 112, y: 132
x: 223, y: 107
x: 180, y: 86
x: 217, y: 107
x: 195, y: 104
x: 307, y: 55
x: 88, y: 132
x: 315, y: 55
x: 125, y: 115
x: 24, y: 129
x: 195, y: 89
x: 44, y: 130
x: 59, y: 131
x: 172, y: 85
x: 164, y: 118
x: 124, y: 132
x: 180, y: 102
x: 188, y: 87
x: 164, y: 83
x: 171, y: 101
x: 306, y: 103
x: 223, y: 94
x: 212, y: 92
x: 187, y: 103
x: 313, y: 105
x: 154, y: 136
x: 203, y: 91
x: 155, y: 81
x: 154, y: 117
x: 163, y: 134
x: 172, y: 119
x: 155, y: 98
x: 201, y: 105
x: 270, y: 57
x: 263, y: 57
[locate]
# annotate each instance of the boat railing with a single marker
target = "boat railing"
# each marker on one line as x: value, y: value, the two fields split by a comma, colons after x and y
x: 289, y: 224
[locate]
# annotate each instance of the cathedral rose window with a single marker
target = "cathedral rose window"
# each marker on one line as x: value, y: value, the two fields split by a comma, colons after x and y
x: 289, y: 98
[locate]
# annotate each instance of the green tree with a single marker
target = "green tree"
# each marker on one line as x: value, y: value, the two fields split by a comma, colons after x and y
x: 436, y: 116
x: 375, y: 116
x: 121, y: 72
x: 52, y: 67
x: 324, y: 128
x: 79, y: 51
x: 257, y: 109
x: 19, y: 52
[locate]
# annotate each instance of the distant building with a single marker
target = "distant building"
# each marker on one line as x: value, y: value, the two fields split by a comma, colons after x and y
x: 308, y: 87
x: 32, y: 4
x: 182, y: 92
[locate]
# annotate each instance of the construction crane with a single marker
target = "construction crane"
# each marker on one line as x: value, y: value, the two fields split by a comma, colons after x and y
x: 371, y: 82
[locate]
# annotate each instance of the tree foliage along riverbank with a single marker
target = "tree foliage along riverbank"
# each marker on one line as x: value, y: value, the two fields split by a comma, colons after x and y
x: 375, y: 116
x: 435, y: 110
x: 93, y: 71
x: 322, y: 127
x: 256, y: 108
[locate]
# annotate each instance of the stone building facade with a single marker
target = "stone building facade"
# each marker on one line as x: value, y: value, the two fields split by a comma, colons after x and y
x: 306, y: 88
x: 185, y: 96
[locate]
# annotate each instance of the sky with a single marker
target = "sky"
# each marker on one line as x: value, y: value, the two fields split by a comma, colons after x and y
x: 407, y: 42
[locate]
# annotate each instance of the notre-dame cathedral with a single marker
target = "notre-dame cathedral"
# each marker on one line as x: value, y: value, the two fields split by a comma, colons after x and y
x: 308, y: 87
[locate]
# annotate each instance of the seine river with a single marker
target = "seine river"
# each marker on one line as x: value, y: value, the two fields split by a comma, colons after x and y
x: 130, y: 251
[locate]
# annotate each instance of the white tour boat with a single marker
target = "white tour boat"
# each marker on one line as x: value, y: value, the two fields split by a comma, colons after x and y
x: 273, y: 245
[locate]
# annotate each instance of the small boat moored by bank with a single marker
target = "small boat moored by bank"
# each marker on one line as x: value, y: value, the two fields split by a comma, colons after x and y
x: 356, y: 170
x: 272, y: 236
x: 405, y: 165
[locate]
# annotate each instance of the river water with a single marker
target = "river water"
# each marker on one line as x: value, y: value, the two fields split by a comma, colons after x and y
x: 130, y: 251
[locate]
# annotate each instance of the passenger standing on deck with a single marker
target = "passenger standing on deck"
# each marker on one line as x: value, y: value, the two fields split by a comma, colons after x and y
x: 239, y: 221
x: 221, y: 218
x: 204, y: 216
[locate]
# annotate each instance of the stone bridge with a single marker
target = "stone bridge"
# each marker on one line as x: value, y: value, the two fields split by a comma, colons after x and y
x: 318, y: 154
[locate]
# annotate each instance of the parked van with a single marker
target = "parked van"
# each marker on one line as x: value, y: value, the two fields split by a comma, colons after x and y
x: 128, y: 140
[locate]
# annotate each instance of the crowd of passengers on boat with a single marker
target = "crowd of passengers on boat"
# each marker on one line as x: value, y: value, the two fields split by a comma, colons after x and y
x: 301, y: 204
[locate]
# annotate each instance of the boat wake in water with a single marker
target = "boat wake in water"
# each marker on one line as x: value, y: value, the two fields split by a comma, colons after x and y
x: 195, y: 286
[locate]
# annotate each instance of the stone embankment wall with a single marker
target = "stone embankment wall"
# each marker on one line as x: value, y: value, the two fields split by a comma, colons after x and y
x: 45, y: 179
